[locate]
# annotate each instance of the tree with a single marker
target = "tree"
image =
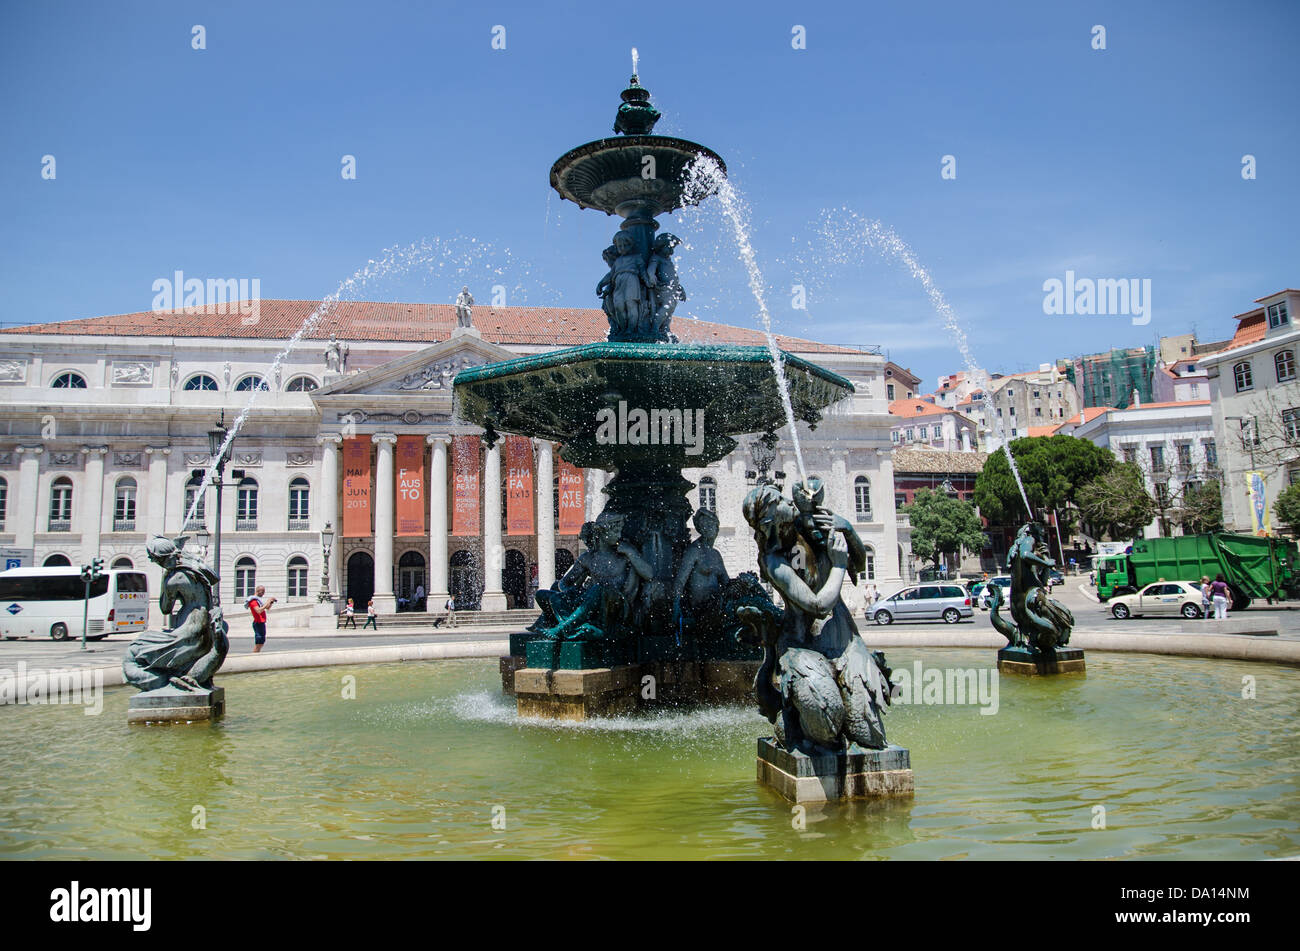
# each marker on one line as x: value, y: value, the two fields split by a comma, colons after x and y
x: 1201, y: 509
x: 943, y: 525
x: 1118, y: 502
x: 1287, y: 508
x: 1053, y: 469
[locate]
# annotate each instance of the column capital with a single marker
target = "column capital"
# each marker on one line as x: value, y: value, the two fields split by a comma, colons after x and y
x: 444, y: 438
x: 382, y: 439
x: 94, y: 450
x: 163, y: 450
x: 323, y: 438
x: 31, y: 450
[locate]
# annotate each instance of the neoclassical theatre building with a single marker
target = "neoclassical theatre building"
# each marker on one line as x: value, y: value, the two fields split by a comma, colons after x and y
x: 106, y: 420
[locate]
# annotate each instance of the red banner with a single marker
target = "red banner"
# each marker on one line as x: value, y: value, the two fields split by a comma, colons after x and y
x: 410, y: 485
x: 519, y: 486
x: 573, y: 486
x: 356, y: 487
x: 465, y: 480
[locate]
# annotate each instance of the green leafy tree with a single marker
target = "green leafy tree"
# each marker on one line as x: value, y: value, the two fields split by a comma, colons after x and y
x: 1202, y: 509
x: 1118, y: 502
x: 1053, y: 469
x: 1287, y: 508
x: 943, y: 525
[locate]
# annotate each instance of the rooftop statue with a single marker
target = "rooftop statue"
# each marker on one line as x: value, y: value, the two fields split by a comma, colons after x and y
x: 464, y: 305
x: 336, y: 355
x: 187, y: 656
x: 820, y: 686
x: 1037, y: 623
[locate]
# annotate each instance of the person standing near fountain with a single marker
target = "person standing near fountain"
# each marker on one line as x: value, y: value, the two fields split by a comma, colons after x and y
x: 258, y: 608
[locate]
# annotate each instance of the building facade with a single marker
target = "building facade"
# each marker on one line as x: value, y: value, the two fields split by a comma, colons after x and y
x: 922, y: 423
x: 104, y: 439
x: 1021, y: 401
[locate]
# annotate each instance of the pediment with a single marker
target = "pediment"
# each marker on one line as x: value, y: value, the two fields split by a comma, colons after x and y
x: 426, y: 372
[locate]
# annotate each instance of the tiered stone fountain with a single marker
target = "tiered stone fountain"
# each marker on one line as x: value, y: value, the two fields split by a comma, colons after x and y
x: 644, y: 407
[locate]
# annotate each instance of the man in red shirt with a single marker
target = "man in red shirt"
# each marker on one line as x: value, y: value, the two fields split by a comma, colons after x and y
x: 259, y: 607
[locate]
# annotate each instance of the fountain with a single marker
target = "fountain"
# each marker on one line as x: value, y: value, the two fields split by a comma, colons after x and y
x: 642, y: 406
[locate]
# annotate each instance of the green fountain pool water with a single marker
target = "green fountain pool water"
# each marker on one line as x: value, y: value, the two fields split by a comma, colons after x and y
x: 1183, y: 765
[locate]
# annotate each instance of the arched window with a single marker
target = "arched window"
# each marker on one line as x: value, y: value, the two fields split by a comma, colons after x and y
x: 862, y: 498
x: 61, y: 505
x: 301, y: 384
x: 249, y: 383
x: 56, y: 561
x: 69, y: 381
x: 1284, y: 363
x: 297, y: 587
x: 246, y: 506
x: 299, y: 502
x: 245, y: 578
x: 709, y: 494
x: 124, y: 505
x: 199, y: 519
x: 1244, y: 378
x: 200, y: 381
x: 4, y: 502
x: 123, y: 564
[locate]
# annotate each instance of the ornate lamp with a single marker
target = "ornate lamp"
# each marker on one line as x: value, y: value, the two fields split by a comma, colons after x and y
x: 326, y: 544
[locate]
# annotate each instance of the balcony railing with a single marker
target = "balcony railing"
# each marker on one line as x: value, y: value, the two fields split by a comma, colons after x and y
x: 245, y: 524
x: 196, y: 525
x: 299, y: 525
x: 60, y: 524
x: 124, y: 525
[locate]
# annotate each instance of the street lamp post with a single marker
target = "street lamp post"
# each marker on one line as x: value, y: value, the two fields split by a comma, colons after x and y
x: 220, y: 453
x: 204, y: 538
x: 326, y: 544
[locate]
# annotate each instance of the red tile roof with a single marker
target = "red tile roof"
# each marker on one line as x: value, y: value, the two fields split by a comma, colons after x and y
x: 1250, y: 330
x: 377, y: 321
x: 912, y: 409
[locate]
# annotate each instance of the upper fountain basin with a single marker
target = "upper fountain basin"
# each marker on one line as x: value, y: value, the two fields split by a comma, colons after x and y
x: 560, y: 396
x: 614, y: 172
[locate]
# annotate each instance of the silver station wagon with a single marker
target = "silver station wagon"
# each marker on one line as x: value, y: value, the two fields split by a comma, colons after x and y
x: 923, y: 602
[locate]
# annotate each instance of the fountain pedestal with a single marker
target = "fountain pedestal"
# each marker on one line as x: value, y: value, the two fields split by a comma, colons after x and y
x: 872, y: 774
x: 1029, y: 663
x: 173, y: 705
x: 559, y: 694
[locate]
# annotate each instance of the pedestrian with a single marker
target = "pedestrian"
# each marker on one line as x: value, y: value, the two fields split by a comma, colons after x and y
x: 419, y: 597
x: 372, y: 619
x: 349, y: 616
x: 1219, y: 592
x: 258, y: 606
x: 1205, y: 596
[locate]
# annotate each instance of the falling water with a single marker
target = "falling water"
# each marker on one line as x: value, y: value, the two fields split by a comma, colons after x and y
x: 705, y: 176
x: 884, y: 239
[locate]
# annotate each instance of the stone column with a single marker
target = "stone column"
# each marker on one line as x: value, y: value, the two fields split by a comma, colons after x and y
x: 596, y: 492
x: 385, y: 601
x: 92, y: 512
x: 439, y: 586
x: 494, y: 599
x: 155, y: 502
x: 329, y: 512
x: 888, y: 570
x: 545, y: 515
x: 26, y: 505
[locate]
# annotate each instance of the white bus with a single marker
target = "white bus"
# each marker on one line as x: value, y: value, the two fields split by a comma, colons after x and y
x: 48, y: 602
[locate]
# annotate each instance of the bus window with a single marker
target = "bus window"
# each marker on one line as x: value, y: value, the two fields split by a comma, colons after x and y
x: 133, y: 581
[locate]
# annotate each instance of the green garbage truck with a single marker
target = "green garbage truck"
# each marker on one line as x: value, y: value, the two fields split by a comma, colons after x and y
x: 1254, y: 566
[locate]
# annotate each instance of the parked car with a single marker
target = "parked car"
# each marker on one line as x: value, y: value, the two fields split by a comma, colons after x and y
x: 1002, y: 581
x: 923, y: 602
x: 1163, y: 597
x: 1054, y: 578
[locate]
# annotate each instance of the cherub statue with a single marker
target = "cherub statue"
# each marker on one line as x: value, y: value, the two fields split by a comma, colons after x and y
x: 662, y: 278
x: 562, y: 598
x: 1037, y: 622
x: 189, y: 655
x: 702, y: 574
x: 616, y: 571
x: 605, y: 290
x: 630, y: 300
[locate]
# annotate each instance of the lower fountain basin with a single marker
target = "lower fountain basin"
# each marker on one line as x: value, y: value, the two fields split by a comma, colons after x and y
x: 560, y: 396
x: 415, y: 766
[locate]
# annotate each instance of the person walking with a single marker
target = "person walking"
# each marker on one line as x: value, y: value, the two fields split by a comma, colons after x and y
x: 1219, y: 591
x: 1205, y: 596
x: 258, y: 606
x: 419, y: 597
x: 372, y: 618
x: 349, y: 616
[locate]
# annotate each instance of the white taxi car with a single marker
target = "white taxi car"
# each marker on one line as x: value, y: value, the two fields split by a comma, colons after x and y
x: 1163, y: 597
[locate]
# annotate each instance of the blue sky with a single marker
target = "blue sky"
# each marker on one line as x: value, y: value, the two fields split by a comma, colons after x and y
x: 225, y: 162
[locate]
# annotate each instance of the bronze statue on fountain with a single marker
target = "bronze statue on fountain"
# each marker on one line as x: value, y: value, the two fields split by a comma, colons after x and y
x: 1039, y: 629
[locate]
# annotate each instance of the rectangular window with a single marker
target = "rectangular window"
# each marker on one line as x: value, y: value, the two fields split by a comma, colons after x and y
x: 894, y: 434
x: 889, y: 392
x: 1038, y: 411
x: 1130, y: 454
x: 1291, y: 424
x: 1277, y: 315
x: 1157, y: 458
x: 1185, y: 455
x: 1211, y: 454
x: 1243, y: 377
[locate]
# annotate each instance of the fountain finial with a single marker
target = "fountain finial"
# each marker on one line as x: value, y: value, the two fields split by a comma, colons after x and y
x: 635, y: 116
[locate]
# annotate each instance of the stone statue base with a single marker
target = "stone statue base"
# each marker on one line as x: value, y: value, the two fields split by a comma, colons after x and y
x: 874, y: 774
x: 620, y: 689
x: 172, y: 705
x: 1024, y: 662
